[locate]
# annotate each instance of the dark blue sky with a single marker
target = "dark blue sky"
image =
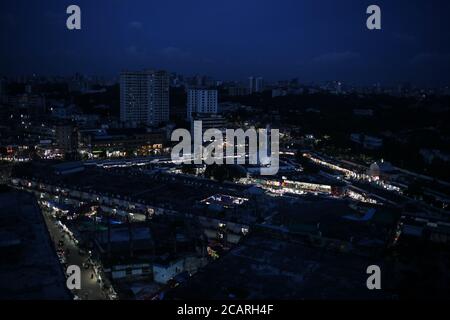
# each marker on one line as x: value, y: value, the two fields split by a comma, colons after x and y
x: 313, y: 40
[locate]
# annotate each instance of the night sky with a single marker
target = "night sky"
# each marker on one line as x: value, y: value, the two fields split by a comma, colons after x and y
x: 314, y: 40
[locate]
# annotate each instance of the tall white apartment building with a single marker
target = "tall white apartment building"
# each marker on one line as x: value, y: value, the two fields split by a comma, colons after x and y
x: 201, y: 101
x: 144, y: 97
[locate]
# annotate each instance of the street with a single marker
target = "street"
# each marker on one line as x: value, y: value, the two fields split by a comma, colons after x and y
x: 91, y: 289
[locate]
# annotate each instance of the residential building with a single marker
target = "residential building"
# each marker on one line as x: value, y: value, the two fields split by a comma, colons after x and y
x: 256, y: 84
x: 144, y: 98
x: 201, y: 101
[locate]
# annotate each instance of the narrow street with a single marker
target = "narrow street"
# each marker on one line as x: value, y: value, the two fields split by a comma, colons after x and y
x: 91, y: 288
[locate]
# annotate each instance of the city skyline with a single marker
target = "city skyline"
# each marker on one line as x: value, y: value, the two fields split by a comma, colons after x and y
x: 241, y: 153
x: 283, y: 41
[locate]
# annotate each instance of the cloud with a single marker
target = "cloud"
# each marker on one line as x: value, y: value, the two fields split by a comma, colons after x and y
x: 133, y: 50
x: 174, y: 53
x: 336, y: 57
x: 430, y: 58
x: 135, y: 25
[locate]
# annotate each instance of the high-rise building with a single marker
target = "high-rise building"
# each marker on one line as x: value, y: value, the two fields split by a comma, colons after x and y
x: 144, y: 97
x: 66, y: 136
x: 201, y: 101
x: 256, y: 84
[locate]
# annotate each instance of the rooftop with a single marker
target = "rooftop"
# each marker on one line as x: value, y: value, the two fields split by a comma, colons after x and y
x: 30, y: 268
x: 159, y: 190
x: 336, y: 219
x: 265, y: 268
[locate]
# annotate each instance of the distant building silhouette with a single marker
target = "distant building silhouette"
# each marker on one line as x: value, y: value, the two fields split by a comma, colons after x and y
x: 256, y: 84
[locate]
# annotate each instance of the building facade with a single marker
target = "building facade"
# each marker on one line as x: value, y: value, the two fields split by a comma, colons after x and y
x: 256, y: 84
x: 144, y: 98
x: 66, y: 138
x: 201, y: 101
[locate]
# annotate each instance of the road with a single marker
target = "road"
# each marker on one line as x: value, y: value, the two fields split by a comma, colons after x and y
x: 91, y: 289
